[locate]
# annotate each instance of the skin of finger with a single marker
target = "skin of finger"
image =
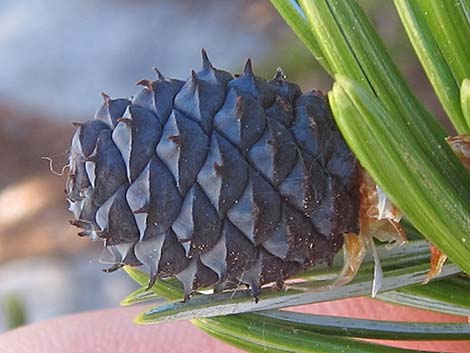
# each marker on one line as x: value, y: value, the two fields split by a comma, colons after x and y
x: 113, y: 331
x: 108, y: 331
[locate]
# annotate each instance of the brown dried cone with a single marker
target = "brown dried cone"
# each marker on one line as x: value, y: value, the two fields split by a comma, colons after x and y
x: 219, y: 180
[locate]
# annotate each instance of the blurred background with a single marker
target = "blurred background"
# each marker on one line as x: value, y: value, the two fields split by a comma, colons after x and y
x: 56, y: 57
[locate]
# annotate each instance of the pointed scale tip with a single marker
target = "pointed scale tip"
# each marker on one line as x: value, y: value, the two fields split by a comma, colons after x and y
x: 113, y: 268
x: 126, y: 121
x: 187, y: 297
x: 194, y: 78
x: 280, y: 75
x: 106, y: 97
x: 146, y: 83
x: 160, y: 76
x: 248, y: 70
x: 141, y: 210
x: 206, y: 63
x: 152, y: 280
x: 91, y: 158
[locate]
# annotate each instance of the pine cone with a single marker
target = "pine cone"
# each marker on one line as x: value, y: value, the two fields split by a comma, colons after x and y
x: 219, y: 180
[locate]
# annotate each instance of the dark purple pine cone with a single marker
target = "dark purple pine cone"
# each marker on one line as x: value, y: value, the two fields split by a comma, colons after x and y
x: 219, y: 180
